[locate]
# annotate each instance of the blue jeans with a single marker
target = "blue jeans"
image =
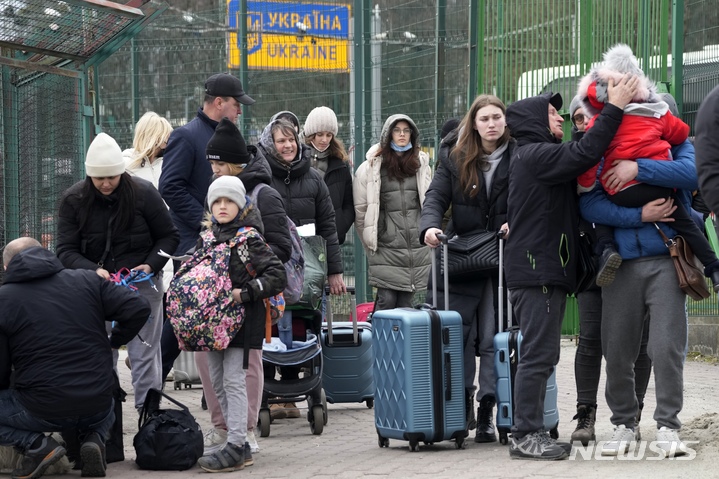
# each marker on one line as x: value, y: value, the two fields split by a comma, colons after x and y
x: 19, y: 428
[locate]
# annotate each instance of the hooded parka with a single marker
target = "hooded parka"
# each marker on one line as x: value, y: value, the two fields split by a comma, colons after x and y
x: 305, y: 195
x: 541, y: 249
x: 387, y: 214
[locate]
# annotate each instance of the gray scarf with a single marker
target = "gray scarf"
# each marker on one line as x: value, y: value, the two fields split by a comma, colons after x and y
x: 320, y: 160
x: 493, y: 160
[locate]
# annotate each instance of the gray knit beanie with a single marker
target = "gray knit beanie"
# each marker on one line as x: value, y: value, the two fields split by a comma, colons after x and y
x: 574, y: 105
x: 104, y: 157
x: 230, y: 187
x: 321, y: 119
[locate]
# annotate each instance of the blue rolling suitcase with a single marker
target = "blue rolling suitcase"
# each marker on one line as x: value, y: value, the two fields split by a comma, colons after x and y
x: 347, y: 359
x: 419, y: 374
x: 507, y: 350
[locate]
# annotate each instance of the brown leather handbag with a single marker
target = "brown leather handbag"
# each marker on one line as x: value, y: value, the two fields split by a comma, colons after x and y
x: 689, y: 271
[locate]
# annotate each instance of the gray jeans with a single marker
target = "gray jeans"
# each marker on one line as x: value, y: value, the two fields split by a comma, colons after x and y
x: 146, y: 357
x: 228, y: 381
x: 644, y: 285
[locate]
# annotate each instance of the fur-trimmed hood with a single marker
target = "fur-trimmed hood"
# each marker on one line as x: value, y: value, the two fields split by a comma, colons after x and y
x: 618, y: 61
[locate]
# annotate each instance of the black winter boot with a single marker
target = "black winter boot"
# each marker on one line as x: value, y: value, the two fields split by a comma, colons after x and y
x: 586, y: 417
x: 469, y: 408
x: 485, y: 420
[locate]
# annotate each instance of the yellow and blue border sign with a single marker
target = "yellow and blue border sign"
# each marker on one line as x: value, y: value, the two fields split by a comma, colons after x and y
x: 275, y: 42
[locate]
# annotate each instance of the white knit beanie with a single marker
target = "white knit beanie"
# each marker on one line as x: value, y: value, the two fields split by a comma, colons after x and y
x: 104, y: 157
x: 227, y: 186
x: 320, y: 119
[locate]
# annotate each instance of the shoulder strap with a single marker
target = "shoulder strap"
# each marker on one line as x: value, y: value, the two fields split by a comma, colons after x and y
x: 667, y: 242
x: 256, y: 191
x: 108, y: 243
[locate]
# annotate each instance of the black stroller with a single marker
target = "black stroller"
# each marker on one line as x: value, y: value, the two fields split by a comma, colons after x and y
x: 307, y: 355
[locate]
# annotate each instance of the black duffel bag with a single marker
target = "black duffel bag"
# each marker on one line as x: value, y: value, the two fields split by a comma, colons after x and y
x: 168, y: 439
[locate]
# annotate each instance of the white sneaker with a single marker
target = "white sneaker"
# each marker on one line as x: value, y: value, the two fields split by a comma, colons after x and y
x: 619, y: 443
x: 252, y: 440
x: 214, y: 440
x: 668, y: 441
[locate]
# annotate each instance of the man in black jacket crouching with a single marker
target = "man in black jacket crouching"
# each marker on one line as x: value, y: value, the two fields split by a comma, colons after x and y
x: 52, y: 332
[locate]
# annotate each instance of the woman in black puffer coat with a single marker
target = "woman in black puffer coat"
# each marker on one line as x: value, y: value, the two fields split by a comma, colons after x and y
x: 307, y: 200
x: 330, y: 159
x: 109, y: 221
x: 472, y: 176
x: 305, y: 194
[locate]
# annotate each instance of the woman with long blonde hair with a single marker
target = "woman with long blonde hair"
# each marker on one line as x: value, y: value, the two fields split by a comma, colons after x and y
x: 144, y: 159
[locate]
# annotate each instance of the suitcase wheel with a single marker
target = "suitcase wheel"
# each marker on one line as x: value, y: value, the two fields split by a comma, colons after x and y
x: 382, y: 441
x: 370, y: 403
x: 460, y: 443
x: 503, y: 439
x: 413, y: 446
x: 177, y: 385
x: 554, y: 433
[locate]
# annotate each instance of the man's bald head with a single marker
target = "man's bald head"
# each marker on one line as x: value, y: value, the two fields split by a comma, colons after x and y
x: 16, y: 246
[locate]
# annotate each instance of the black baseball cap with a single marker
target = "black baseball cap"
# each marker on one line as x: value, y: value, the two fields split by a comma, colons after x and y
x: 224, y: 84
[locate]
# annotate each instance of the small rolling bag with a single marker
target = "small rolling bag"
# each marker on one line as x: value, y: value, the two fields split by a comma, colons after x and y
x: 507, y: 350
x: 419, y: 373
x: 185, y: 370
x: 347, y: 358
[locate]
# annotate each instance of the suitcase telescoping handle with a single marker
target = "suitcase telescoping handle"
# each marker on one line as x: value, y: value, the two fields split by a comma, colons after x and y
x: 353, y: 315
x: 502, y: 234
x: 443, y: 239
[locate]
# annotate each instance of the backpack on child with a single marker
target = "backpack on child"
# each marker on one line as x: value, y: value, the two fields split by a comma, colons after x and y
x: 200, y: 306
x: 295, y: 267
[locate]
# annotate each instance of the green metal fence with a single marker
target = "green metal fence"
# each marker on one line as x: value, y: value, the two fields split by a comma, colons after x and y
x: 425, y: 58
x: 48, y: 49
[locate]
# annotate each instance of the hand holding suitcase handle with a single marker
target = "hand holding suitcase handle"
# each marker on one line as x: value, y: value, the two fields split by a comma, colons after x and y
x: 443, y: 239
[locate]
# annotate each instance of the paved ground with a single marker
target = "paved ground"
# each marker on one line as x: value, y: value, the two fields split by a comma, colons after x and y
x: 348, y: 447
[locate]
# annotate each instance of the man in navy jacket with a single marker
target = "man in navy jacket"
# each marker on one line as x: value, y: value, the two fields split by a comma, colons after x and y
x: 53, y: 333
x: 186, y: 173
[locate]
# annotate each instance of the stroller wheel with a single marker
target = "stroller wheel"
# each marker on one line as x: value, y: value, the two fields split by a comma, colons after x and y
x: 317, y: 423
x: 264, y: 422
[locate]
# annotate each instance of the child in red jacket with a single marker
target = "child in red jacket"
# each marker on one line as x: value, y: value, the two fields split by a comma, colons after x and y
x: 648, y: 131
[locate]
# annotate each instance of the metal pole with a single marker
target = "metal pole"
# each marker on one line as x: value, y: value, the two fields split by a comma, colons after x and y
x: 135, y: 82
x: 242, y: 37
x: 677, y: 86
x: 439, y: 61
x: 376, y: 59
x: 359, y: 144
x: 475, y: 54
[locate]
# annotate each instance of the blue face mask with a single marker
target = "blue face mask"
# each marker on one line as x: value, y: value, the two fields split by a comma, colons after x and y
x: 400, y: 149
